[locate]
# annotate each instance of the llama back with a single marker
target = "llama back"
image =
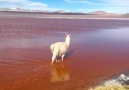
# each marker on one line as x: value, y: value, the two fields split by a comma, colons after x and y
x: 60, y: 48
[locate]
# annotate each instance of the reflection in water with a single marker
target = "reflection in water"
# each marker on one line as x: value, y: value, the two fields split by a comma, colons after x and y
x: 59, y: 72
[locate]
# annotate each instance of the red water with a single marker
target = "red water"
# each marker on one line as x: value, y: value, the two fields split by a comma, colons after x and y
x: 98, y: 49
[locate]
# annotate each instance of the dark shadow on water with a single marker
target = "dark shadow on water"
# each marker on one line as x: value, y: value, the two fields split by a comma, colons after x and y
x: 59, y: 73
x: 70, y: 52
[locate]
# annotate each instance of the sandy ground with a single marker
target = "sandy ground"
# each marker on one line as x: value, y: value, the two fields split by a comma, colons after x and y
x: 99, y: 49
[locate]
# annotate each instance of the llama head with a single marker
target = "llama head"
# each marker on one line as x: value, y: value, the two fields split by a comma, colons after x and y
x: 68, y: 35
x: 67, y: 40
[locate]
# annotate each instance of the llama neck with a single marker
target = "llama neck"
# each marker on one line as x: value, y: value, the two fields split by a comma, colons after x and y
x: 67, y: 41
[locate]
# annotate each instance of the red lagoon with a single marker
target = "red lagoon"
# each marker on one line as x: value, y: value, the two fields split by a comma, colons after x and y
x: 99, y: 49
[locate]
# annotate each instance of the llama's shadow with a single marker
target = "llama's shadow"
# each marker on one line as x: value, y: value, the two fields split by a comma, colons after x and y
x: 70, y: 52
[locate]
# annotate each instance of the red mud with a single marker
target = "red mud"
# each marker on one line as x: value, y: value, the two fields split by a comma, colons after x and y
x: 99, y: 49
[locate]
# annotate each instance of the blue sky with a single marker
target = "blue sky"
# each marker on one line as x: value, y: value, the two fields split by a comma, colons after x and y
x: 112, y: 6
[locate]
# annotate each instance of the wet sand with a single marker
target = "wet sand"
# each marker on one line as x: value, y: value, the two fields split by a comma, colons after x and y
x: 99, y: 49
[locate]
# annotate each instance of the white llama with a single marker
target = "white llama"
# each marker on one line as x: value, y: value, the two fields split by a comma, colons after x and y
x: 59, y: 49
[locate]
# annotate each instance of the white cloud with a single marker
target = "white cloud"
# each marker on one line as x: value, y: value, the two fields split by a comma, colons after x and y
x: 113, y: 6
x: 85, y: 2
x: 26, y: 4
x: 124, y: 3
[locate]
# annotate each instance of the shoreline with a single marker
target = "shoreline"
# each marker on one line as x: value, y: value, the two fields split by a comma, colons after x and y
x: 61, y: 16
x: 65, y: 18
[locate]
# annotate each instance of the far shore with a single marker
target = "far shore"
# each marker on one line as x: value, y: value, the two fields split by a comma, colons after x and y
x: 5, y: 14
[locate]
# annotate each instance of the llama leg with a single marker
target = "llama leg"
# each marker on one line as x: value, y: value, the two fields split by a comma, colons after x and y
x: 52, y: 52
x: 62, y: 57
x: 53, y: 58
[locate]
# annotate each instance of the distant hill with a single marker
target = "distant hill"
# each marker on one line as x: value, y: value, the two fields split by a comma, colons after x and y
x: 41, y: 11
x: 22, y: 10
x: 102, y: 13
x: 62, y: 13
x: 125, y: 15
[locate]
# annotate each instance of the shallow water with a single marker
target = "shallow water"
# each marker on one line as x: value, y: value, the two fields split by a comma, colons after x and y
x: 99, y: 49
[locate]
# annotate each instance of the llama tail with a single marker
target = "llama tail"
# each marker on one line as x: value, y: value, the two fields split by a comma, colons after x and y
x: 55, y: 55
x: 53, y: 59
x: 52, y: 47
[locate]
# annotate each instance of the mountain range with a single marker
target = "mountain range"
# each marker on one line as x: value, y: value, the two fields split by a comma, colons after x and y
x: 58, y: 11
